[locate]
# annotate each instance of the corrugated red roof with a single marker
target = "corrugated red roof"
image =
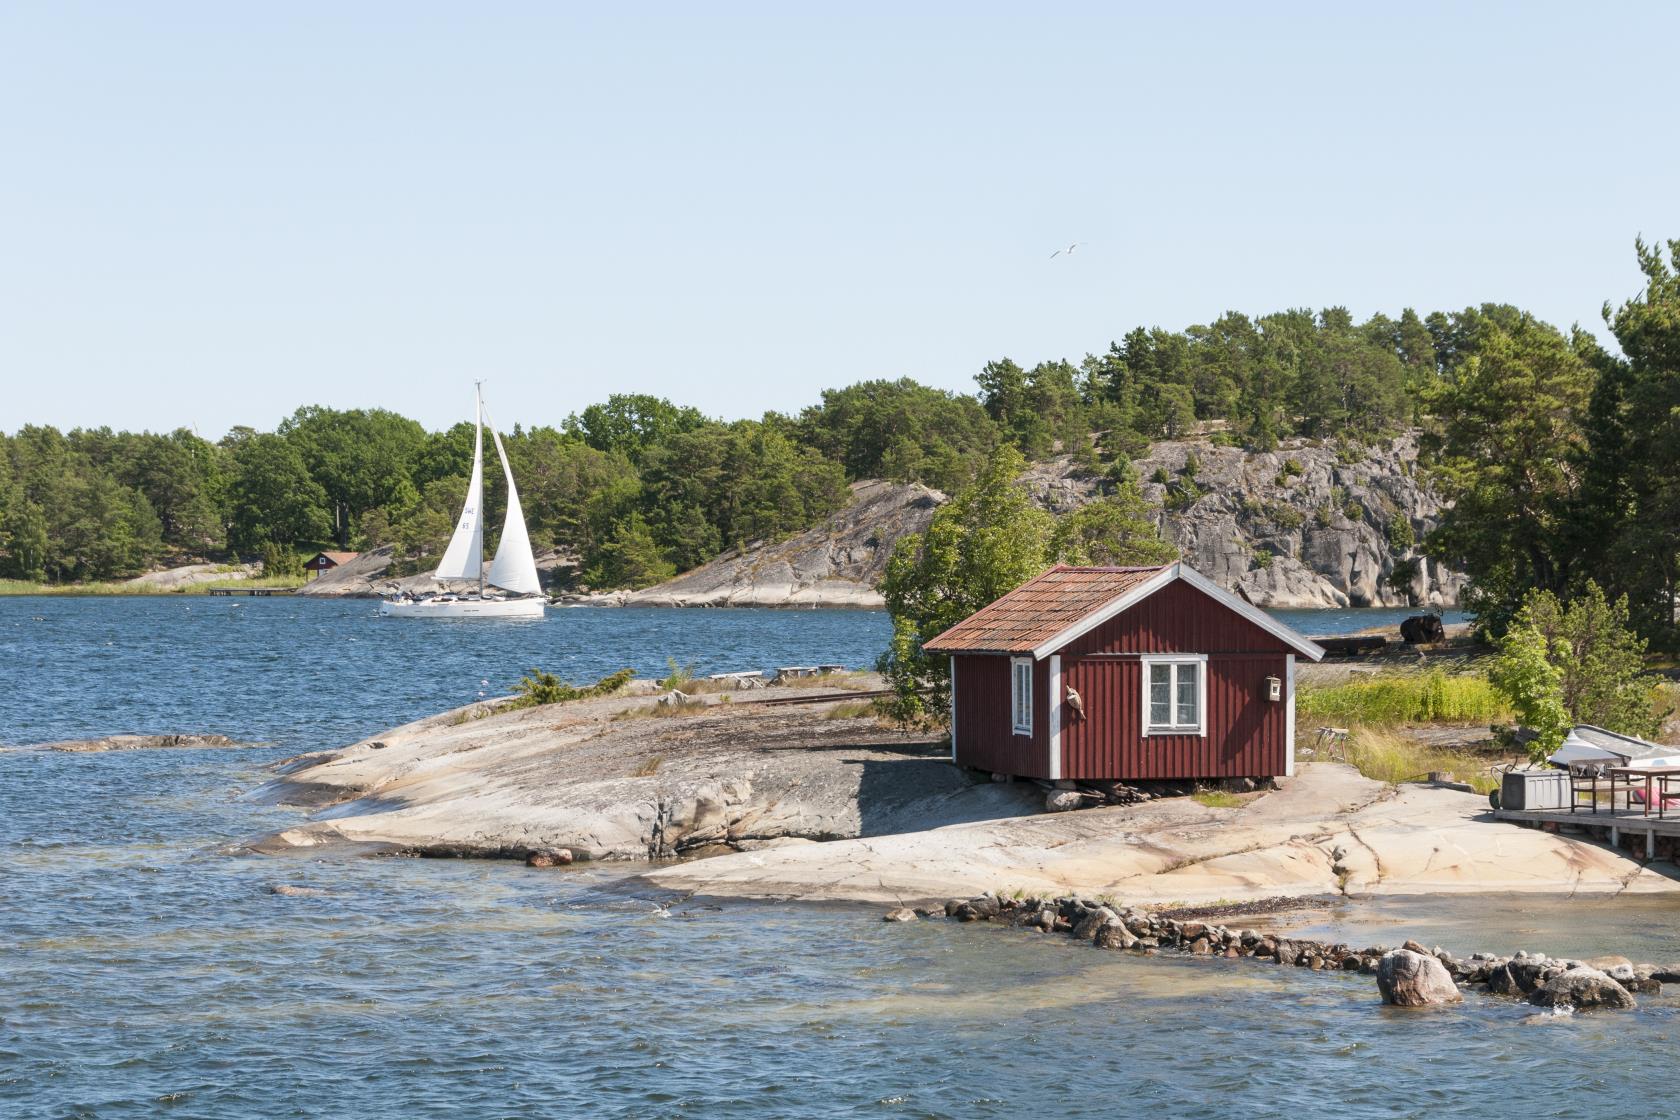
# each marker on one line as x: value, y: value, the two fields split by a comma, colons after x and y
x: 1040, y: 609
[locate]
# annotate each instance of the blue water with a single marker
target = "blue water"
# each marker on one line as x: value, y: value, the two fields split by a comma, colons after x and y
x: 310, y: 674
x: 145, y: 974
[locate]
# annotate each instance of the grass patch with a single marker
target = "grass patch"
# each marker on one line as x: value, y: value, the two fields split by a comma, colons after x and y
x: 1400, y: 698
x: 851, y: 709
x: 1217, y: 799
x: 1390, y: 757
x: 680, y: 678
x: 648, y: 768
x: 126, y: 587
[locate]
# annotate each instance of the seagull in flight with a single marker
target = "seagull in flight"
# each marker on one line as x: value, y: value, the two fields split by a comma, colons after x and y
x: 1068, y: 251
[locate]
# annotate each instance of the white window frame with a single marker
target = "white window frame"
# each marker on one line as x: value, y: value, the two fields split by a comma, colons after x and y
x: 1197, y: 659
x: 1021, y: 715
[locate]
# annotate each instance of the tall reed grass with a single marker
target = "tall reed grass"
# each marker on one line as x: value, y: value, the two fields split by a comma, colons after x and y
x: 1386, y: 756
x: 1400, y: 698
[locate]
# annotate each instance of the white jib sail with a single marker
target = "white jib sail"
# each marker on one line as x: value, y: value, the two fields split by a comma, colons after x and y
x: 514, y: 568
x: 464, y: 558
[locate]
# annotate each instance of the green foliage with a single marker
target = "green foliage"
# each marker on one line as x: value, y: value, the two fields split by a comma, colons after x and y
x: 1563, y: 663
x: 1388, y: 756
x: 1511, y: 416
x: 1628, y: 519
x: 537, y: 688
x: 630, y: 557
x: 1387, y: 701
x: 1114, y: 531
x: 1401, y: 537
x: 1524, y: 673
x: 984, y: 542
x: 1262, y: 558
x: 1161, y: 476
x: 279, y: 560
x: 680, y: 677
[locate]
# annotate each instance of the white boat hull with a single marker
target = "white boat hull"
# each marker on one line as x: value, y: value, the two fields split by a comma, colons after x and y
x: 462, y: 608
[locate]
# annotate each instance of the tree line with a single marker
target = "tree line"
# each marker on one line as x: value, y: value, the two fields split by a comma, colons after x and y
x: 1560, y: 458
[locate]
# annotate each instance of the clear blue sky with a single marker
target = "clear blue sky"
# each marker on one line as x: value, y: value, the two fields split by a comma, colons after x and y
x: 212, y: 213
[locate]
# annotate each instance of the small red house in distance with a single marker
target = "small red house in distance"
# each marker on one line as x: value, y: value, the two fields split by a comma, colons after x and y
x: 325, y: 561
x: 1123, y: 674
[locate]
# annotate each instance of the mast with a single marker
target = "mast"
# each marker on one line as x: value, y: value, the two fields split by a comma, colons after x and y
x: 478, y: 420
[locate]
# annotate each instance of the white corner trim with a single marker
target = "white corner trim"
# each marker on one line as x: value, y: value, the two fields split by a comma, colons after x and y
x: 1304, y: 646
x: 1016, y: 726
x: 1101, y: 615
x: 1289, y: 716
x: 953, y: 660
x: 1055, y: 705
x: 1200, y: 659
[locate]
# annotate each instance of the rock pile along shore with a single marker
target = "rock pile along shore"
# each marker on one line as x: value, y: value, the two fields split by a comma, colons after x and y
x: 1411, y: 975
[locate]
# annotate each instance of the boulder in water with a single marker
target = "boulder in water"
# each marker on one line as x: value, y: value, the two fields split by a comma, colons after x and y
x: 1411, y: 979
x: 1584, y: 989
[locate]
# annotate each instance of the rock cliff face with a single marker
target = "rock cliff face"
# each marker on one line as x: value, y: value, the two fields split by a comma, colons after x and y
x: 1302, y: 526
x: 837, y: 564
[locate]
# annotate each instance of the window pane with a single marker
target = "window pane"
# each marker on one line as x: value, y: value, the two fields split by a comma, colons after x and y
x: 1160, y: 695
x: 1187, y: 695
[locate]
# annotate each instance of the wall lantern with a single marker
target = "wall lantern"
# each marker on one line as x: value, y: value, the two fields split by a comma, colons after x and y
x: 1274, y: 688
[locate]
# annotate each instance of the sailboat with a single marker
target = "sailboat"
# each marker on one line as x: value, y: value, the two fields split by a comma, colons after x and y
x: 514, y: 568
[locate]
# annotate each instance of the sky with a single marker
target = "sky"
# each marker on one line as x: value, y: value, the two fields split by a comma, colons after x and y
x: 211, y: 214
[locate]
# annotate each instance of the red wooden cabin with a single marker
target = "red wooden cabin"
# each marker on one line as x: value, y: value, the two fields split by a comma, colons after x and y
x: 1123, y: 673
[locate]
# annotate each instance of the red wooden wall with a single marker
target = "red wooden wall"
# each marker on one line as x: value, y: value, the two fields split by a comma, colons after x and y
x: 985, y: 736
x: 1246, y: 731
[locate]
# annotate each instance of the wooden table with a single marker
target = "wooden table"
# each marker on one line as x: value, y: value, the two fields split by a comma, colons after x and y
x: 1656, y: 779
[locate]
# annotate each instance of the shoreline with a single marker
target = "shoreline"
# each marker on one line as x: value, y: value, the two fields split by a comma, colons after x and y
x: 814, y: 800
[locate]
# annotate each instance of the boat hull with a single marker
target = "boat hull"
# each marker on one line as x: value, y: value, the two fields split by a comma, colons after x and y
x: 463, y: 608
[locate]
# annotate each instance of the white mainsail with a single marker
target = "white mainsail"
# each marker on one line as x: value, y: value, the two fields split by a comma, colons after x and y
x: 464, y: 558
x: 514, y: 568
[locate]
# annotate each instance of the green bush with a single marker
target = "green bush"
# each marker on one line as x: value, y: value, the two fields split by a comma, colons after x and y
x: 281, y: 560
x: 1432, y: 697
x: 537, y: 688
x: 1262, y: 558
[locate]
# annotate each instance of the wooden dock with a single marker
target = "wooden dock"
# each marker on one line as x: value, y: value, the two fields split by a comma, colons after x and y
x: 1610, y: 824
x: 263, y: 591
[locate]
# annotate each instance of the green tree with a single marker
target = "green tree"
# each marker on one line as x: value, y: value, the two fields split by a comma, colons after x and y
x: 631, y: 423
x: 629, y: 558
x: 1118, y: 530
x: 1505, y: 457
x: 272, y: 496
x: 986, y: 541
x: 1524, y: 672
x: 1630, y: 517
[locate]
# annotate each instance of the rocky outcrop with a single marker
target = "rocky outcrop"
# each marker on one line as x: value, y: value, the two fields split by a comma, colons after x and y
x: 1410, y: 979
x: 1410, y: 976
x: 1307, y: 525
x: 1582, y: 989
x: 836, y: 564
x: 145, y: 743
x: 623, y: 778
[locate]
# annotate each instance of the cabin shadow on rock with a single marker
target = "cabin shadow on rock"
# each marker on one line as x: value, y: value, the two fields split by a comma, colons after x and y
x: 1125, y: 674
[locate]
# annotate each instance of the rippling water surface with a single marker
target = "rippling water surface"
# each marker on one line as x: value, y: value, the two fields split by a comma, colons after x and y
x: 143, y: 974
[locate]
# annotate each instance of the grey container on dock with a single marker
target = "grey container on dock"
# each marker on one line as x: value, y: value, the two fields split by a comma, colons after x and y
x: 1534, y: 789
